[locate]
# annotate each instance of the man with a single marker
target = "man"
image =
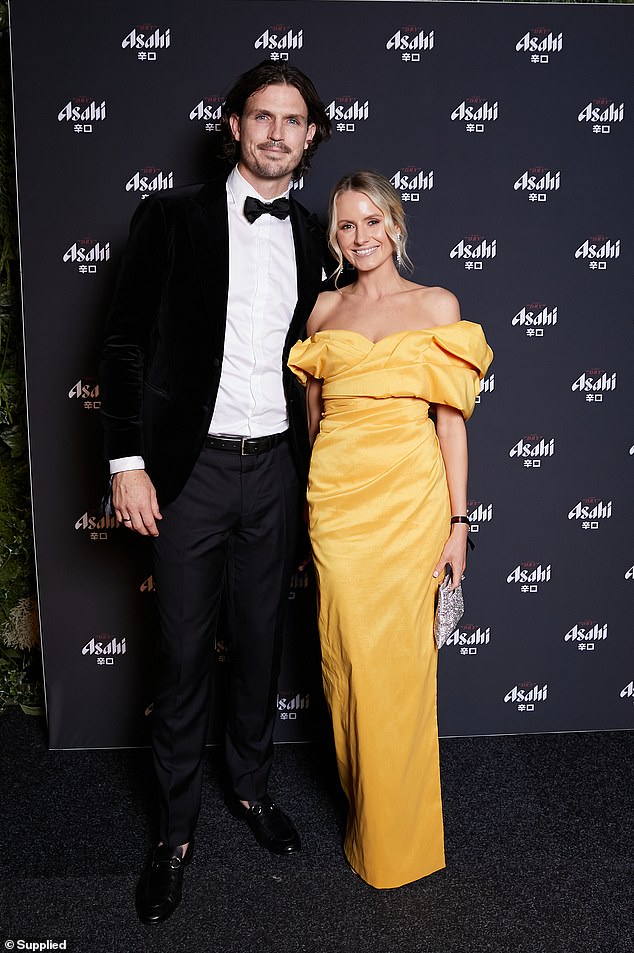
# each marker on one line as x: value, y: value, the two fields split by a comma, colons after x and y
x: 205, y: 433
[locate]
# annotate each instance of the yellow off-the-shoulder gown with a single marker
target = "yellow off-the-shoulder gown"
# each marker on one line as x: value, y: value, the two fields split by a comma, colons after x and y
x: 379, y: 517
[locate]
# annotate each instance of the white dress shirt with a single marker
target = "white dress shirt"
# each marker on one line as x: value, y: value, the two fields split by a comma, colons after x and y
x: 260, y: 305
x: 262, y: 298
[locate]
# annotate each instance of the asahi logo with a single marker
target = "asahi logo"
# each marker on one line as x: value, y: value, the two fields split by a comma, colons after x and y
x: 288, y: 704
x: 590, y: 512
x: 147, y: 36
x: 82, y: 109
x: 591, y: 509
x: 410, y: 39
x: 540, y: 41
x: 149, y: 179
x: 280, y: 37
x: 538, y: 179
x: 527, y: 692
x: 594, y: 383
x: 587, y: 631
x: 222, y: 648
x: 87, y: 251
x: 296, y: 702
x: 84, y: 389
x: 147, y: 585
x: 529, y: 573
x: 630, y: 573
x: 299, y: 582
x: 599, y: 247
x: 469, y: 636
x: 411, y: 181
x: 535, y: 317
x: 96, y: 521
x: 99, y: 646
x: 347, y: 109
x: 474, y: 250
x: 532, y: 446
x: 602, y: 111
x: 478, y: 513
x: 487, y: 386
x: 209, y: 111
x: 628, y: 691
x: 475, y: 109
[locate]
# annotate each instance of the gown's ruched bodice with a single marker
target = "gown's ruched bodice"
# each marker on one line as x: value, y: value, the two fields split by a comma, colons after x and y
x: 379, y: 517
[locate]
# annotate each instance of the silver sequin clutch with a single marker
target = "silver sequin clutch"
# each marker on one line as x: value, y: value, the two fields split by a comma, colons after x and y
x: 449, y: 610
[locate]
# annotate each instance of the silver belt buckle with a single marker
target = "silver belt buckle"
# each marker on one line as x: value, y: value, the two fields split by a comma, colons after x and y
x: 244, y: 450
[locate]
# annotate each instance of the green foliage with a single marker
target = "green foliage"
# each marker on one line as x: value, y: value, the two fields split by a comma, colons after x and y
x: 16, y: 575
x: 20, y: 681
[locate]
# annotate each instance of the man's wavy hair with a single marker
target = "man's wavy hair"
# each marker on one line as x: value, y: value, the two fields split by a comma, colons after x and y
x: 269, y: 73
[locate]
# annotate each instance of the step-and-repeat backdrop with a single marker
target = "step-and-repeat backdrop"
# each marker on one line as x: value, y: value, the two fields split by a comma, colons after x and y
x: 507, y: 130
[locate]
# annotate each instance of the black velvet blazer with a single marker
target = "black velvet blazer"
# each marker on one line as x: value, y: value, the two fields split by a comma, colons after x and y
x: 165, y: 332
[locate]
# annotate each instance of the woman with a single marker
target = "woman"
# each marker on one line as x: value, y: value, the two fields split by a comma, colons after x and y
x: 387, y: 502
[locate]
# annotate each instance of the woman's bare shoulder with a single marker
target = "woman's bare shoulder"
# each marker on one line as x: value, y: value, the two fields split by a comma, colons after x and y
x: 326, y: 303
x: 441, y: 306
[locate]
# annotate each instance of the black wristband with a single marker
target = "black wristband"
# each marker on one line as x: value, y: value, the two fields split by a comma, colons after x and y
x: 460, y: 519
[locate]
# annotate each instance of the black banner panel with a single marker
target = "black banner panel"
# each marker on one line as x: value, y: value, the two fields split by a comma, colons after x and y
x: 508, y: 131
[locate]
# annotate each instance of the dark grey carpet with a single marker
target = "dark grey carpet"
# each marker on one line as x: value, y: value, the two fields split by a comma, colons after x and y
x: 539, y: 838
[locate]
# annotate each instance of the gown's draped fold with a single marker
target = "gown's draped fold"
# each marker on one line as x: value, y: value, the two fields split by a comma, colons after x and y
x: 379, y: 517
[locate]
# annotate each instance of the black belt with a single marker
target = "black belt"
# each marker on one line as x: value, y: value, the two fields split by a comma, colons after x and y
x: 245, y: 446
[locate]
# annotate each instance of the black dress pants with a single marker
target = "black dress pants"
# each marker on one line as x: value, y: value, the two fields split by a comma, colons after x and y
x: 234, y: 525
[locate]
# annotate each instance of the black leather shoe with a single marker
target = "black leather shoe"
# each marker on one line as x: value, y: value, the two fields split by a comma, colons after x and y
x: 160, y: 887
x: 270, y: 825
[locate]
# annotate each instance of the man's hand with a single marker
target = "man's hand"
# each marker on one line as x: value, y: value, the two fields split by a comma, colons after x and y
x: 134, y: 501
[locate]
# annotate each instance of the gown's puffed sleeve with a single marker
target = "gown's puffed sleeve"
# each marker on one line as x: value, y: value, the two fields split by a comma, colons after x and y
x: 307, y: 358
x: 453, y: 365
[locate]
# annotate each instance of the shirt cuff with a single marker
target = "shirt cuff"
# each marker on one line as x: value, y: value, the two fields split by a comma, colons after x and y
x: 126, y: 463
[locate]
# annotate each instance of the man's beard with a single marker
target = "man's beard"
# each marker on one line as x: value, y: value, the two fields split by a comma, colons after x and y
x: 271, y: 168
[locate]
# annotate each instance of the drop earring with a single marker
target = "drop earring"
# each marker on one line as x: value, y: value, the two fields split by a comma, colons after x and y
x: 399, y: 257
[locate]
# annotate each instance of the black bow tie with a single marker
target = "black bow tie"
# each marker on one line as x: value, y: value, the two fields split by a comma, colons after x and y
x: 253, y: 208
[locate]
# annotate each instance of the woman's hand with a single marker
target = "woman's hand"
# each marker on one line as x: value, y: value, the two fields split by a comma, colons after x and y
x: 454, y: 553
